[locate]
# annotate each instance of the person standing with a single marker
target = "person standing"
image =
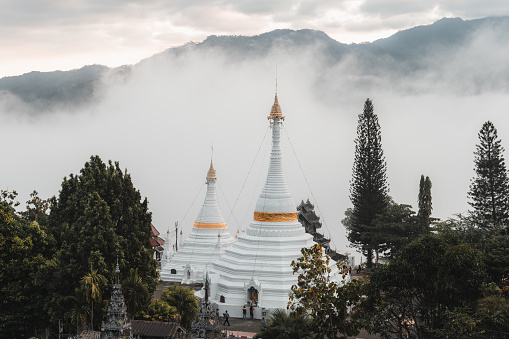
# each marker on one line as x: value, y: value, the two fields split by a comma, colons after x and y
x: 251, y: 312
x: 226, y: 317
x: 244, y: 312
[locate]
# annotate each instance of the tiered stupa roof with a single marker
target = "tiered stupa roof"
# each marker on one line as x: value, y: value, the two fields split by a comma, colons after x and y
x: 208, y: 239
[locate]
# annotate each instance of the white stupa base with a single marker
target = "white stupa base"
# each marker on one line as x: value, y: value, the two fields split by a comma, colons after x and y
x: 201, y: 248
x: 259, y: 265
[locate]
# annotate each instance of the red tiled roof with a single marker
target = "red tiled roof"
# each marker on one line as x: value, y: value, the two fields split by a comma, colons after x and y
x: 155, y: 232
x: 156, y: 241
x: 155, y: 328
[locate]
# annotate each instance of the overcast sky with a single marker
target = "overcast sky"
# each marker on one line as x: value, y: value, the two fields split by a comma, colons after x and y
x: 58, y: 34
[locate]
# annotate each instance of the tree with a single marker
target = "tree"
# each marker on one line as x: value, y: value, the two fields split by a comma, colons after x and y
x: 368, y: 187
x: 25, y: 255
x: 489, y: 189
x: 159, y: 310
x: 415, y: 293
x: 321, y: 296
x: 393, y: 229
x: 183, y: 299
x: 97, y: 212
x: 135, y: 292
x: 424, y: 201
x: 91, y: 285
x: 282, y: 325
x: 36, y: 209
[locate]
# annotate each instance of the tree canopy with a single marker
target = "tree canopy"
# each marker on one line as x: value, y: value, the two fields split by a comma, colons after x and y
x: 96, y: 213
x: 326, y: 300
x: 184, y: 301
x: 26, y: 249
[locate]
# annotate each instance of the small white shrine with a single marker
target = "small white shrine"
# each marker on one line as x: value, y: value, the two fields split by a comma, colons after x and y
x: 208, y: 240
x: 256, y: 270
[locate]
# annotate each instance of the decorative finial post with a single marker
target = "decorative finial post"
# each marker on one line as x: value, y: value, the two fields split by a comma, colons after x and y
x: 276, y: 79
x: 176, y: 236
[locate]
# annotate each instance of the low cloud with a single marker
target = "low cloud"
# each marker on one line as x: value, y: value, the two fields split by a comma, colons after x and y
x: 161, y: 120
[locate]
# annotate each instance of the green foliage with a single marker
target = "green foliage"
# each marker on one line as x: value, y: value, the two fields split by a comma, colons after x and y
x: 96, y: 213
x: 489, y: 190
x: 321, y: 296
x: 394, y: 228
x: 25, y: 255
x: 425, y: 205
x: 282, y: 325
x: 415, y: 292
x: 183, y: 299
x: 135, y: 292
x: 36, y: 209
x: 368, y: 190
x: 92, y: 285
x: 159, y: 310
x: 496, y: 250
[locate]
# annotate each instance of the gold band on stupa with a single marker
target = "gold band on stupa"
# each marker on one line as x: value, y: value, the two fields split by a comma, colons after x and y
x: 275, y: 217
x: 204, y: 225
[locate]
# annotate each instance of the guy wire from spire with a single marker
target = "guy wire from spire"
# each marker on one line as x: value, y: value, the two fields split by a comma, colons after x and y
x: 257, y: 182
x: 181, y: 221
x: 248, y: 173
x: 309, y: 187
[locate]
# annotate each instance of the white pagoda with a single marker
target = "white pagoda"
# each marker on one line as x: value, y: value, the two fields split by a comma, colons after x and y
x: 207, y: 241
x: 256, y: 270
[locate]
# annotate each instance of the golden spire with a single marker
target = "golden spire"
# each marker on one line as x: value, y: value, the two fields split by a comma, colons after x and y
x: 275, y: 112
x: 211, y: 174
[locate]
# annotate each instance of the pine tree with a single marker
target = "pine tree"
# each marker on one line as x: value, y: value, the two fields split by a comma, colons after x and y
x: 425, y: 207
x: 489, y: 189
x: 368, y: 187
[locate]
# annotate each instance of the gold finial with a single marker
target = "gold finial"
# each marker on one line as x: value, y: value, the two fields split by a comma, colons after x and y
x: 211, y: 174
x: 180, y: 232
x: 235, y: 236
x: 275, y: 112
x: 168, y: 232
x: 219, y: 235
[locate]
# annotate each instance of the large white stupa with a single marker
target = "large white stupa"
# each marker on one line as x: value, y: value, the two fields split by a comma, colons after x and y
x: 257, y: 268
x: 207, y: 241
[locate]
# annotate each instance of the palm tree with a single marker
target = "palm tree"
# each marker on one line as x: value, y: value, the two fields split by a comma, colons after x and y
x: 183, y: 299
x: 91, y: 286
x: 282, y: 325
x: 79, y: 316
x: 135, y: 292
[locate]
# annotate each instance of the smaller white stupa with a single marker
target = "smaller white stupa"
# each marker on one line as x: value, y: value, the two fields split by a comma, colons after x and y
x: 208, y: 240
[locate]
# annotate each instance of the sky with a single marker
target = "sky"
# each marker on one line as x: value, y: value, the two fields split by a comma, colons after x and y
x: 61, y: 35
x: 161, y: 123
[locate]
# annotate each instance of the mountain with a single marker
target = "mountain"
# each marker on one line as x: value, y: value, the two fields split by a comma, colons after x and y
x: 397, y: 61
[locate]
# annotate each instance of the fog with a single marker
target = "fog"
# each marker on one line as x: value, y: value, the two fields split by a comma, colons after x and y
x: 161, y: 123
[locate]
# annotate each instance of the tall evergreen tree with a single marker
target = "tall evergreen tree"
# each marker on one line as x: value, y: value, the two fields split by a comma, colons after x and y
x: 424, y: 200
x: 489, y: 189
x: 368, y: 190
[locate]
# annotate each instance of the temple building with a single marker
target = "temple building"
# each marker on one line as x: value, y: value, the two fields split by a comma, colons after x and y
x: 256, y: 270
x: 117, y: 324
x: 311, y: 223
x: 208, y: 240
